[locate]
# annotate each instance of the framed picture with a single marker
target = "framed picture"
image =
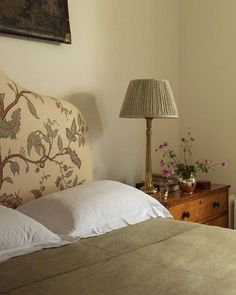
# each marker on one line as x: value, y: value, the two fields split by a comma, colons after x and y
x: 43, y: 19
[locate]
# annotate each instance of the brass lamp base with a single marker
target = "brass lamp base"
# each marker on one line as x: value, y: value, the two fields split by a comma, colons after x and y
x: 148, y: 187
x: 149, y: 190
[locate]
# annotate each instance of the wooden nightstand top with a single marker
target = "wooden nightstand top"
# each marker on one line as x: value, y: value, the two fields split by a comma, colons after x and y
x: 175, y: 198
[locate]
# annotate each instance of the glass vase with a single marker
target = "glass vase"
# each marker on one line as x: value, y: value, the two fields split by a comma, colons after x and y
x: 188, y: 185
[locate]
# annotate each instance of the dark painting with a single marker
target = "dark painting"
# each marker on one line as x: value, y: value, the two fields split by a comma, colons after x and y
x: 44, y: 19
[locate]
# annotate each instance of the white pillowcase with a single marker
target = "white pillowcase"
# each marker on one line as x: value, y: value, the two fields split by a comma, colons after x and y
x: 94, y: 208
x: 19, y: 234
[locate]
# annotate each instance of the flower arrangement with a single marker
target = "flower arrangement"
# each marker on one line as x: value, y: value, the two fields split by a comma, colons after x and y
x: 172, y: 164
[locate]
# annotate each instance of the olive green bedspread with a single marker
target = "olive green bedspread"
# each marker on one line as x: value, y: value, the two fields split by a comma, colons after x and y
x: 153, y: 257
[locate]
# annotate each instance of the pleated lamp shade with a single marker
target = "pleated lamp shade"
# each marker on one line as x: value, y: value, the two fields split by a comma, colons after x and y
x: 149, y: 98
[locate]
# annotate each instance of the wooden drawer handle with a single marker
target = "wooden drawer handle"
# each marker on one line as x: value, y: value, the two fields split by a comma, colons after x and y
x: 216, y: 204
x: 185, y: 214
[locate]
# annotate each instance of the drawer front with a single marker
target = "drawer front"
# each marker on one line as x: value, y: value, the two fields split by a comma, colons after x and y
x: 219, y: 221
x: 213, y: 205
x: 189, y: 211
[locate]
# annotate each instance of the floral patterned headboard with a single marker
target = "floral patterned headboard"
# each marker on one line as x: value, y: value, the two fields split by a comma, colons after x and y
x: 44, y: 145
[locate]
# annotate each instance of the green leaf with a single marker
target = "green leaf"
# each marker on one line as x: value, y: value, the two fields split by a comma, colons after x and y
x: 74, y: 139
x: 69, y: 173
x: 12, y: 127
x: 10, y: 86
x: 73, y: 127
x: 68, y: 134
x: 47, y: 139
x: 59, y: 143
x: 49, y: 129
x: 54, y: 133
x: 74, y: 157
x: 8, y: 179
x: 83, y: 141
x: 27, y: 169
x: 31, y: 108
x: 38, y: 149
x: 58, y: 181
x: 29, y: 147
x: 15, y: 168
x: 79, y: 119
x: 34, y: 140
x: 2, y: 96
x: 75, y: 180
x: 37, y: 193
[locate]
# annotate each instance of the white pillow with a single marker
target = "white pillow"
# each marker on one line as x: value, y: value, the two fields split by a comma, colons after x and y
x: 19, y: 234
x: 93, y: 209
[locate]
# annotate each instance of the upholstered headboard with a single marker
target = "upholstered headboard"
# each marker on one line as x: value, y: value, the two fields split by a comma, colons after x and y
x: 44, y: 145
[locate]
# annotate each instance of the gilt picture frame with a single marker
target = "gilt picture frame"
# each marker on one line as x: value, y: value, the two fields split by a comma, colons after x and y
x: 42, y: 19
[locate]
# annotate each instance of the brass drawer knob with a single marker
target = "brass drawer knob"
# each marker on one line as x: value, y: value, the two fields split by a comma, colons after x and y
x: 216, y: 204
x: 185, y: 214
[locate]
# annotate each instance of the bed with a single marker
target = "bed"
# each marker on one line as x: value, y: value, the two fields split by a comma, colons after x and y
x: 45, y: 155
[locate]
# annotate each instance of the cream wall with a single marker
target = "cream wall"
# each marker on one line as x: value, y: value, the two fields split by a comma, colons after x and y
x: 208, y: 87
x: 112, y: 42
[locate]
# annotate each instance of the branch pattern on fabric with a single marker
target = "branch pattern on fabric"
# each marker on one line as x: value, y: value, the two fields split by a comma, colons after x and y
x: 42, y: 146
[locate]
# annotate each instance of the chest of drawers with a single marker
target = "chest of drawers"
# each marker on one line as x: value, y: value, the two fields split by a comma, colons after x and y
x: 208, y: 206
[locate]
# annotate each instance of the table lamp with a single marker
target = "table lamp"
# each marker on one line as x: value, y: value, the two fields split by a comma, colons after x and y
x: 149, y: 98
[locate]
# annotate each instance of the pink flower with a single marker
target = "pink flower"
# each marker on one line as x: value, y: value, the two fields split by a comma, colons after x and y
x: 171, y: 163
x: 162, y: 163
x: 163, y: 145
x: 206, y: 162
x: 166, y: 172
x: 224, y: 164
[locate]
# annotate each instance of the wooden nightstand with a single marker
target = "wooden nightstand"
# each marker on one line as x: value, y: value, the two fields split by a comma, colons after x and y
x: 209, y: 206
